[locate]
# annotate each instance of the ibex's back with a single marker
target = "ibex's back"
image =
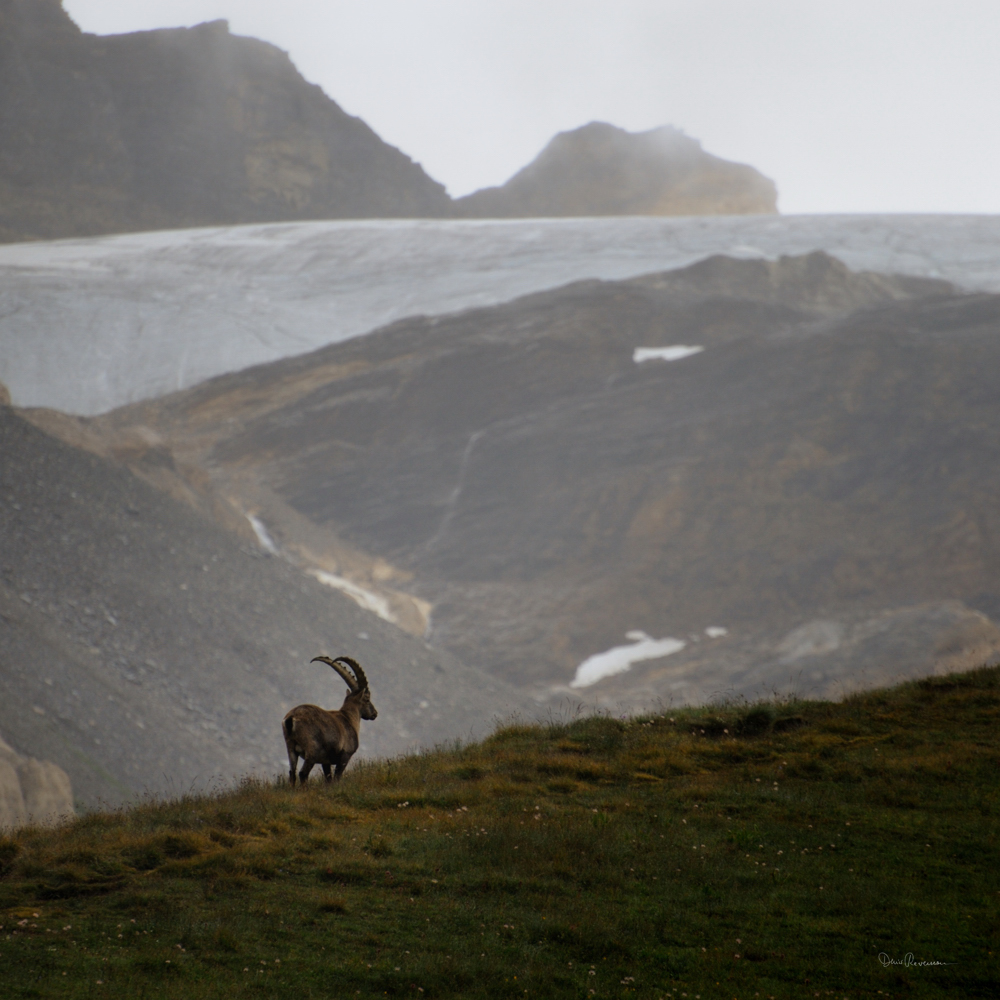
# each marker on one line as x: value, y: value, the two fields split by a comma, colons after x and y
x: 329, y: 738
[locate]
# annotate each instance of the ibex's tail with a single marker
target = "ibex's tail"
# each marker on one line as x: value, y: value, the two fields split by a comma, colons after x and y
x: 289, y: 726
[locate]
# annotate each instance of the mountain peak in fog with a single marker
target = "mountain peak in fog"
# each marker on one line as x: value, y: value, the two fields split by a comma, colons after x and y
x: 183, y: 127
x: 178, y: 127
x: 600, y: 169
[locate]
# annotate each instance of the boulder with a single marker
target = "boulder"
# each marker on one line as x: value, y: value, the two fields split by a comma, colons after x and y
x: 11, y: 800
x: 32, y: 791
x: 48, y: 794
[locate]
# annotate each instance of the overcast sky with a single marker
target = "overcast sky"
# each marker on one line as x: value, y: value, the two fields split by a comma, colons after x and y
x: 873, y: 106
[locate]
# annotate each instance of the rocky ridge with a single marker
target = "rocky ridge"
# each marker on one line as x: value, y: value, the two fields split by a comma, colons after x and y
x: 822, y: 458
x: 184, y: 127
x: 178, y: 127
x: 599, y: 169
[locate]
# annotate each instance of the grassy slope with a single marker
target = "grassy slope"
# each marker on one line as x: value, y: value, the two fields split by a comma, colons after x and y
x: 595, y: 858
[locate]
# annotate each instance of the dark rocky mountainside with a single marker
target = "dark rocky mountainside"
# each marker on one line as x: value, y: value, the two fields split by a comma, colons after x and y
x: 602, y: 170
x: 820, y: 479
x: 143, y: 647
x: 178, y: 127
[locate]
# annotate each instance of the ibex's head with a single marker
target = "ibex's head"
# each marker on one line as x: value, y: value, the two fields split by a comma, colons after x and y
x: 368, y: 710
x: 356, y: 681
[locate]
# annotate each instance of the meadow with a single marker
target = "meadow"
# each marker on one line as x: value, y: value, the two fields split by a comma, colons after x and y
x: 772, y: 850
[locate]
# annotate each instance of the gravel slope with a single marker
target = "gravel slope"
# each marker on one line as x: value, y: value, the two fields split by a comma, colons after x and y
x: 144, y: 648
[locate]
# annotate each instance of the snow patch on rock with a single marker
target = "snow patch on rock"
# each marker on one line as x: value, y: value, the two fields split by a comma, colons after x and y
x: 673, y: 353
x: 264, y: 538
x: 619, y: 659
x: 365, y: 598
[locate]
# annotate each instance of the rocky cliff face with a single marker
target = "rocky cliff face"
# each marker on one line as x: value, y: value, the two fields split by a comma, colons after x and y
x: 32, y: 791
x: 178, y: 127
x: 603, y: 170
x: 194, y: 126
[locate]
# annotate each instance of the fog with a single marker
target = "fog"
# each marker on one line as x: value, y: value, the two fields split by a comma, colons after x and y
x: 880, y: 106
x: 477, y: 488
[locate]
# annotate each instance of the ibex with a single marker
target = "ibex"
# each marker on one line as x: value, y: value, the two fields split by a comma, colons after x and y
x: 328, y: 738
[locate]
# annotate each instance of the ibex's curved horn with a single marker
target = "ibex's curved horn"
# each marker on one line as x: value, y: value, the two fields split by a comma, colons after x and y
x: 351, y: 681
x: 358, y: 672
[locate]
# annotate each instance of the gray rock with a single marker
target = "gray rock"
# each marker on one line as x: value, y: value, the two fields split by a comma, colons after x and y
x: 32, y: 791
x: 603, y: 170
x: 810, y: 639
x: 47, y: 791
x: 12, y: 812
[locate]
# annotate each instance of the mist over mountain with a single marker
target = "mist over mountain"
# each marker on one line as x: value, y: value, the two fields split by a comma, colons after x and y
x: 736, y: 477
x: 603, y: 170
x: 178, y: 127
x: 182, y: 127
x: 786, y: 468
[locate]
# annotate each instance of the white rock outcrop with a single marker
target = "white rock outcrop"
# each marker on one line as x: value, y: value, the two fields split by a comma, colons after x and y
x: 32, y: 791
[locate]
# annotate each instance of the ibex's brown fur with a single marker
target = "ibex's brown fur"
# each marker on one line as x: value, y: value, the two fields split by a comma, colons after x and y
x: 328, y: 738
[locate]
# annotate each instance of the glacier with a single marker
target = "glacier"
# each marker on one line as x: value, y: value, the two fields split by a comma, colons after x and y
x: 87, y: 325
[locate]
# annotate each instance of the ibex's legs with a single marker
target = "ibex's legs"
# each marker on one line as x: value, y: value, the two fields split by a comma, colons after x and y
x: 304, y: 773
x: 326, y: 773
x: 339, y: 771
x: 293, y: 760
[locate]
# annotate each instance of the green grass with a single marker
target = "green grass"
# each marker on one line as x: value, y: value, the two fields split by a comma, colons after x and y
x: 598, y: 858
